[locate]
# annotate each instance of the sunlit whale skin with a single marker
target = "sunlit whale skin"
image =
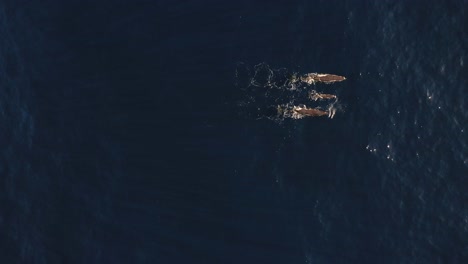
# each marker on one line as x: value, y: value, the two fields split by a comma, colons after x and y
x: 312, y: 78
x: 313, y: 95
x: 301, y: 111
x: 304, y: 111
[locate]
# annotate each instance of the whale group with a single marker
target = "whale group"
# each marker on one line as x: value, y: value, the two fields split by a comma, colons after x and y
x: 301, y: 111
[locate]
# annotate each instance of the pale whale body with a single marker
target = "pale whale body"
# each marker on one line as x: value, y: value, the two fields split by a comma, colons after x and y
x: 314, y: 95
x: 312, y: 78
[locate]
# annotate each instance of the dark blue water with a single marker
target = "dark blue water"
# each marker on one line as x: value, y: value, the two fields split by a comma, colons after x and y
x: 124, y: 138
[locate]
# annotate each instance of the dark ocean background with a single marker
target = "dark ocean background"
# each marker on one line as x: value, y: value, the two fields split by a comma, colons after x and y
x: 124, y: 140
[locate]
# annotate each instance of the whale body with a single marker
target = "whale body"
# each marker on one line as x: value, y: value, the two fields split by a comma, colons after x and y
x: 311, y: 78
x: 304, y: 111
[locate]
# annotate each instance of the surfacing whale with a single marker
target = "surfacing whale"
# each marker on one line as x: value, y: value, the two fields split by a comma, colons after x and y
x: 314, y: 95
x: 311, y: 78
x: 305, y: 111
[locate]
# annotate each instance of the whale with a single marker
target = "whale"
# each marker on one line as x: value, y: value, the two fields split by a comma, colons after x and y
x: 314, y: 95
x: 304, y: 111
x: 312, y: 78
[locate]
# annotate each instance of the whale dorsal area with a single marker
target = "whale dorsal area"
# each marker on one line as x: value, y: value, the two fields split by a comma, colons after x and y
x: 311, y: 78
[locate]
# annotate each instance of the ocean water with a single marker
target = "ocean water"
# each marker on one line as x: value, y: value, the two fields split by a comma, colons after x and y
x: 128, y: 135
